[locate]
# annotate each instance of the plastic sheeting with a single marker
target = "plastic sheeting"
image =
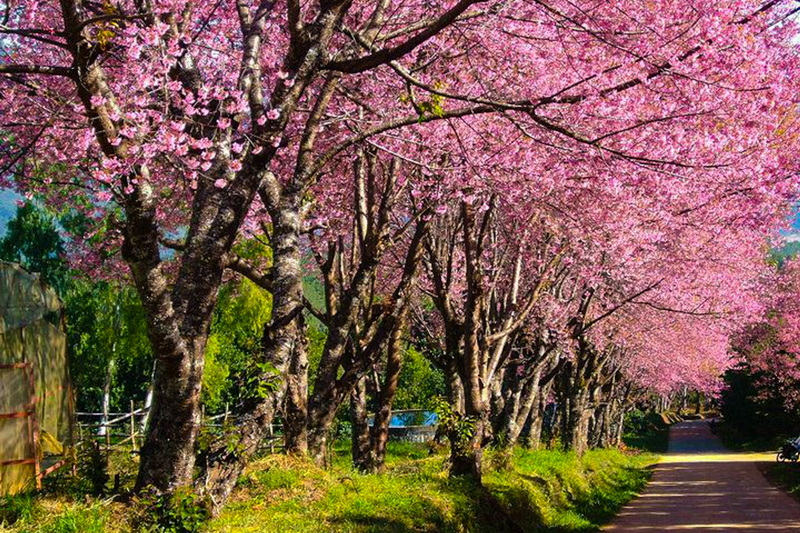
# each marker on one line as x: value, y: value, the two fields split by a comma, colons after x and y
x: 31, y: 340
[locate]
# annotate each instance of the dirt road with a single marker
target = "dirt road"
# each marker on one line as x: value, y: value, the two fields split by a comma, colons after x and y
x: 701, y: 486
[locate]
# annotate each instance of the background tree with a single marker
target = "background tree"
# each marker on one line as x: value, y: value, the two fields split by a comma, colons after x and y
x: 32, y: 240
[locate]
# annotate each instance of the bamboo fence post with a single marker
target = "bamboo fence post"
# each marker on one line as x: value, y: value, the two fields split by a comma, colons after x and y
x: 108, y: 438
x: 133, y: 428
x: 271, y: 439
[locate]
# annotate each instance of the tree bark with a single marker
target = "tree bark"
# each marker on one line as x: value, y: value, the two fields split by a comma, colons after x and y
x: 383, y: 413
x: 223, y: 463
x: 466, y: 453
x: 295, y: 411
x: 535, y: 422
x: 361, y: 450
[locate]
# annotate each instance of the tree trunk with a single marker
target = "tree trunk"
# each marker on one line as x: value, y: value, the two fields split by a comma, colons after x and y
x: 535, y: 423
x: 361, y: 449
x: 575, y: 422
x: 168, y: 455
x: 455, y: 389
x: 466, y: 453
x: 295, y: 411
x: 383, y: 414
x: 325, y: 401
x: 106, y: 405
x: 148, y: 401
x: 223, y: 463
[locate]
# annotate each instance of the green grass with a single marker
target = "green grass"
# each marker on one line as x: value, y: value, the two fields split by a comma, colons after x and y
x: 648, y: 432
x: 43, y: 514
x: 523, y: 491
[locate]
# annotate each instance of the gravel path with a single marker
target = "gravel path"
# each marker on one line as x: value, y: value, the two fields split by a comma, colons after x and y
x: 701, y: 486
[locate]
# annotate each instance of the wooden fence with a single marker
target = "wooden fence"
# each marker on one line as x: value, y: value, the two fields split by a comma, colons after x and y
x: 126, y: 430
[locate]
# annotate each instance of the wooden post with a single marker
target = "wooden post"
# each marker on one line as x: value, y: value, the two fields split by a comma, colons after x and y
x: 133, y: 428
x: 33, y: 423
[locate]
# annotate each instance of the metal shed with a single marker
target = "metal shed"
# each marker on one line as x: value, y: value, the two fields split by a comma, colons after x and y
x: 36, y: 405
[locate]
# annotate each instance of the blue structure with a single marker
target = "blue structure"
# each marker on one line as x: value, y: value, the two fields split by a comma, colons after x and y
x: 412, y: 425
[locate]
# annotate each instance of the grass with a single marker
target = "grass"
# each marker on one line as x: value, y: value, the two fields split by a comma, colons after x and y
x: 42, y: 514
x: 524, y: 491
x: 649, y: 432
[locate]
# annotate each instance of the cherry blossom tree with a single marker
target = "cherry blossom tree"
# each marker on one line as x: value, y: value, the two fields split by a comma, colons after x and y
x: 216, y: 121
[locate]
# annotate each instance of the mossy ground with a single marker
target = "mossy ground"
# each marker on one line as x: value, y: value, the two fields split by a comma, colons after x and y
x: 524, y: 491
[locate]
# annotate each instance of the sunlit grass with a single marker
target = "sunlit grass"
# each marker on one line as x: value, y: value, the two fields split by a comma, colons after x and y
x: 524, y: 490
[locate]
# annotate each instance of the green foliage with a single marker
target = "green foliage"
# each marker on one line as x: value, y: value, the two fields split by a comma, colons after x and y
x: 646, y: 431
x: 316, y: 336
x: 215, y: 378
x: 789, y: 250
x: 94, y: 468
x: 179, y: 512
x: 754, y: 420
x: 434, y: 106
x: 16, y: 508
x: 459, y: 428
x: 106, y: 325
x: 27, y: 513
x: 419, y: 382
x: 260, y: 379
x: 785, y: 476
x: 32, y: 240
x: 545, y: 490
x: 232, y: 354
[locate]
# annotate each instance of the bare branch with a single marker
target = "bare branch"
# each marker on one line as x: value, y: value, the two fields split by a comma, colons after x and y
x: 383, y: 56
x: 47, y: 70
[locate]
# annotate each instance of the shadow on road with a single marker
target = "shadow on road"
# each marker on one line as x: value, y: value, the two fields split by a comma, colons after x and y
x: 701, y: 486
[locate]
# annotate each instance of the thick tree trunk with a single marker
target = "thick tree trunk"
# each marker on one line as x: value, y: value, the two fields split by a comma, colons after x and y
x: 466, y: 453
x: 323, y: 404
x: 517, y: 419
x: 455, y: 388
x: 575, y: 422
x: 223, y: 464
x: 295, y: 411
x: 361, y: 450
x: 598, y: 427
x: 383, y: 414
x: 502, y: 390
x: 618, y: 426
x: 168, y: 454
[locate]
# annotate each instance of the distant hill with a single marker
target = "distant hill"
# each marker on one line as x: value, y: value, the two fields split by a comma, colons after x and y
x: 8, y: 207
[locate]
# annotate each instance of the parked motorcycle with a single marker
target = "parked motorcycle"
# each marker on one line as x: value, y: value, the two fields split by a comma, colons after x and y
x: 790, y: 451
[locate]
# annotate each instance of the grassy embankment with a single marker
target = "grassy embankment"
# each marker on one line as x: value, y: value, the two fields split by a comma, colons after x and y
x: 524, y: 491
